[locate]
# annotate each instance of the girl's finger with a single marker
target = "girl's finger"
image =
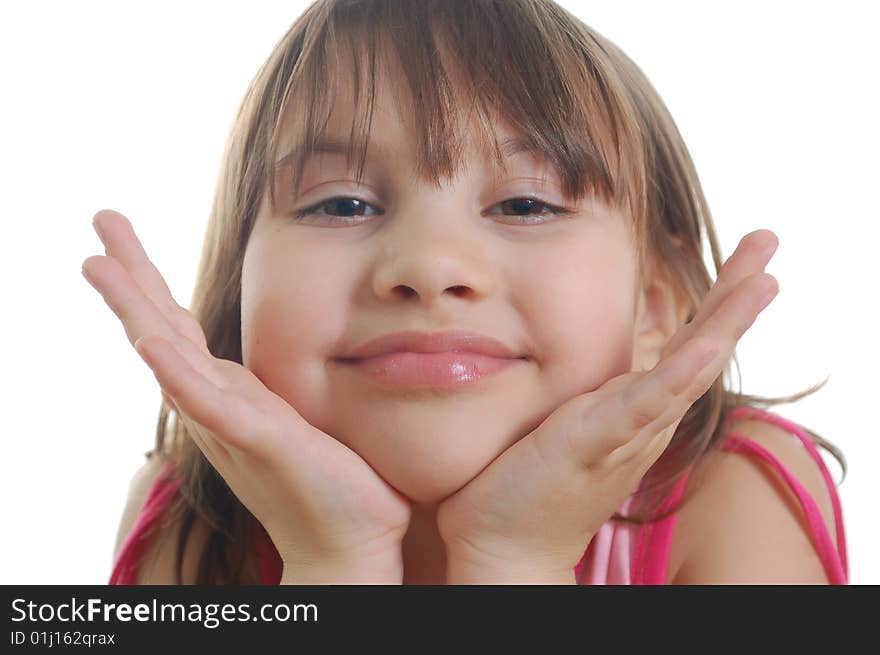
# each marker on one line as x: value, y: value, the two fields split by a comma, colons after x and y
x: 223, y: 415
x: 169, y: 401
x: 121, y: 243
x: 665, y: 389
x: 665, y: 393
x: 204, y: 445
x: 751, y: 256
x: 139, y: 315
x: 215, y: 452
x: 737, y: 313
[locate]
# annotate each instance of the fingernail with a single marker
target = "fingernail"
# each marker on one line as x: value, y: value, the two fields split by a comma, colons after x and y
x: 770, y: 249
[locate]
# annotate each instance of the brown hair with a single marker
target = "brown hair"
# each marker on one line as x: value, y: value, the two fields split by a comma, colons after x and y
x: 566, y: 91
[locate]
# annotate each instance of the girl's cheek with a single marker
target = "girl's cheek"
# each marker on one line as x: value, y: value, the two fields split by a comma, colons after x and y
x: 590, y: 344
x: 289, y: 326
x: 287, y: 353
x: 581, y: 312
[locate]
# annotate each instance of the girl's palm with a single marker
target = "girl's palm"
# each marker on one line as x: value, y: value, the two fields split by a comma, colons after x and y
x: 318, y: 500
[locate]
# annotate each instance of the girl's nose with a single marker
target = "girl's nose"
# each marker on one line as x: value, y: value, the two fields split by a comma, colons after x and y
x: 427, y: 267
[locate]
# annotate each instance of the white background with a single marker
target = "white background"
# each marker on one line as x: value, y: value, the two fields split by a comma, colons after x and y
x: 127, y: 106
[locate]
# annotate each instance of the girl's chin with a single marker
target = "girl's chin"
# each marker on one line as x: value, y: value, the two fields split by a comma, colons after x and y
x: 427, y: 481
x: 428, y: 496
x: 428, y: 453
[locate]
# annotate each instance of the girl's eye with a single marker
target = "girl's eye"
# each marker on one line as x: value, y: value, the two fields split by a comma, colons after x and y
x: 343, y: 204
x: 529, y: 205
x: 349, y: 207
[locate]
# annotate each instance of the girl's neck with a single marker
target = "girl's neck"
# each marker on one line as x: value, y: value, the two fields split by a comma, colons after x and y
x: 424, y: 554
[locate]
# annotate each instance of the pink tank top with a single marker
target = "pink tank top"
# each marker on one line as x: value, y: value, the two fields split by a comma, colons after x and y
x: 620, y: 553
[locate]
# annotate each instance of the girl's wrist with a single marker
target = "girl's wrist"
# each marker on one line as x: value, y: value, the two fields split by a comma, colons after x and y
x: 465, y: 567
x: 330, y: 573
x: 354, y: 570
x: 513, y: 573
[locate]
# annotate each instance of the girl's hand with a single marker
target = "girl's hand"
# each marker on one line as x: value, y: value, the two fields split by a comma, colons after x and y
x: 531, y: 513
x: 330, y: 516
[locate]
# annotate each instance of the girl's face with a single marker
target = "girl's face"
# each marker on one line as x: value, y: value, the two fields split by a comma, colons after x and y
x: 400, y: 254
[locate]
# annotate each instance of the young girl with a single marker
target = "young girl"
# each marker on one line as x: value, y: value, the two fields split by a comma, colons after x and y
x: 490, y: 352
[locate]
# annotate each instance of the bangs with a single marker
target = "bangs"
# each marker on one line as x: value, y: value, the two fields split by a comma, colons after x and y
x: 499, y: 62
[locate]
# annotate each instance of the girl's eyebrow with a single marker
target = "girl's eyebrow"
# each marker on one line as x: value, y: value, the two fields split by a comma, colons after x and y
x: 326, y: 145
x: 510, y: 147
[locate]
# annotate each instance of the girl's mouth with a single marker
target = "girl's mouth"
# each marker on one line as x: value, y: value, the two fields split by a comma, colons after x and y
x: 438, y: 369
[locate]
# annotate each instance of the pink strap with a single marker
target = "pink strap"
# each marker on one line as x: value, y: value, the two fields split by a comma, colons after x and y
x: 654, y: 541
x: 834, y: 561
x: 129, y: 558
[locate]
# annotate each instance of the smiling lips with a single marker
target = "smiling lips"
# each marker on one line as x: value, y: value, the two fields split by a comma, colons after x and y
x: 415, y: 359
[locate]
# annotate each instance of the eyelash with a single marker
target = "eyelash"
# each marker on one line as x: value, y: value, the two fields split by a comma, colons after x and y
x: 552, y: 209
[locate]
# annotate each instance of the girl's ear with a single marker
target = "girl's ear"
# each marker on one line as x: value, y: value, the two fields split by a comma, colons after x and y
x: 661, y: 309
